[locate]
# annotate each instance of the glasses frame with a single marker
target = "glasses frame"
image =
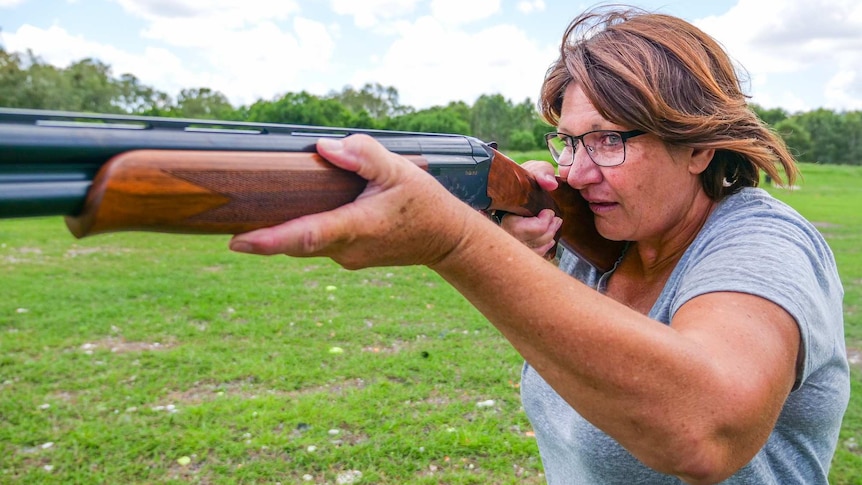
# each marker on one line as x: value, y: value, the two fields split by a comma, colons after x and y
x: 573, y: 142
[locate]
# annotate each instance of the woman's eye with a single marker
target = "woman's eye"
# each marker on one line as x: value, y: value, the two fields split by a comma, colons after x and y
x: 611, y: 139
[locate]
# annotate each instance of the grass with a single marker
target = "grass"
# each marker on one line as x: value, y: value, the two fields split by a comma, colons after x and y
x: 120, y: 355
x: 831, y: 197
x: 149, y: 358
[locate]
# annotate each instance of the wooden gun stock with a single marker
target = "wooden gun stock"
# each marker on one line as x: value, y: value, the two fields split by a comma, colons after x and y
x: 513, y: 189
x: 229, y: 192
x: 210, y: 192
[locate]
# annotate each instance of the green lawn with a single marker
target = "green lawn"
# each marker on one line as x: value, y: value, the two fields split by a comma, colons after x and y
x: 149, y: 358
x: 831, y: 197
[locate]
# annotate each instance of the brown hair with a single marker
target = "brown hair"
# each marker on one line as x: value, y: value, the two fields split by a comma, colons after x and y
x: 663, y: 75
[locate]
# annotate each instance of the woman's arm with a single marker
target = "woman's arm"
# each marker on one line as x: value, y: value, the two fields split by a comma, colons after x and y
x: 695, y: 399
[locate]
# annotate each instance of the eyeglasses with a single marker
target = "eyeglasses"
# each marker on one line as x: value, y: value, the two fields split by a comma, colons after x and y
x: 606, y: 148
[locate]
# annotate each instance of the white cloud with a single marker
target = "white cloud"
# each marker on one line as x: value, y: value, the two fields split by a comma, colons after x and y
x: 844, y: 89
x: 239, y: 46
x: 229, y: 13
x: 10, y: 3
x: 530, y: 6
x: 433, y: 64
x: 369, y: 13
x: 56, y: 46
x: 779, y: 37
x: 257, y: 60
x: 459, y: 12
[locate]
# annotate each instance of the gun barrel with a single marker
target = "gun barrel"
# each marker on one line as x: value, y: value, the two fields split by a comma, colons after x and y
x: 49, y: 158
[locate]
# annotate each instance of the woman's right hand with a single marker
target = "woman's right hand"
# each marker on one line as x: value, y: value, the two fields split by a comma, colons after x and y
x: 537, y: 233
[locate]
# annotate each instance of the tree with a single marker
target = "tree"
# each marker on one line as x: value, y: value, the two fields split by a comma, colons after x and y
x: 203, y: 103
x: 829, y: 142
x: 12, y: 80
x: 88, y: 86
x: 378, y: 101
x: 853, y: 130
x: 495, y: 118
x: 797, y: 138
x: 769, y: 116
x: 303, y: 109
x: 29, y: 83
x: 134, y: 97
x: 433, y: 120
x: 522, y: 140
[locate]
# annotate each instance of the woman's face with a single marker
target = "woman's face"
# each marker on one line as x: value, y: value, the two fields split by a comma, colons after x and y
x: 654, y: 195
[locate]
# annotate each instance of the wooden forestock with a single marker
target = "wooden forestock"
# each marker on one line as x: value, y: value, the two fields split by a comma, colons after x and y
x: 229, y: 192
x: 210, y: 192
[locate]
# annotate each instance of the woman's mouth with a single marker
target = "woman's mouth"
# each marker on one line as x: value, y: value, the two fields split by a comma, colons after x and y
x: 602, y: 207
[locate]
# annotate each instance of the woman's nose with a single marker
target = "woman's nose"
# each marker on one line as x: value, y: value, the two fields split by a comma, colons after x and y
x: 582, y: 171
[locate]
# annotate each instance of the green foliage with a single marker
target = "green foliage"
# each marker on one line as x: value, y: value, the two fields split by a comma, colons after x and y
x: 204, y: 103
x: 837, y: 138
x: 378, y: 101
x: 769, y: 116
x: 433, y: 120
x: 821, y: 136
x: 134, y: 97
x: 27, y: 82
x: 797, y: 138
x: 494, y: 118
x: 302, y: 109
x: 522, y: 140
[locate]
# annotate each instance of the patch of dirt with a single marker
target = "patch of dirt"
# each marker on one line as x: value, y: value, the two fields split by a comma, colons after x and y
x: 394, y: 348
x: 122, y: 346
x: 247, y: 389
x: 825, y: 225
x: 76, y: 251
x: 25, y: 255
x: 854, y: 356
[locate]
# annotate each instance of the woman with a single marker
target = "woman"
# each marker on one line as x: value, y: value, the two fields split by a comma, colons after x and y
x: 713, y: 350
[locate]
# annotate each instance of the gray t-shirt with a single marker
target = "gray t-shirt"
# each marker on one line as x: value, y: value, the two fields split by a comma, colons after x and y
x: 752, y: 243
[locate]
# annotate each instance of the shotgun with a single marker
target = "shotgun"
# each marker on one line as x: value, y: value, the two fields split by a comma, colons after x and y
x: 108, y: 173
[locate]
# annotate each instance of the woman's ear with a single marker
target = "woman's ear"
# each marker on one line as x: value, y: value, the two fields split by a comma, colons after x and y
x: 700, y: 158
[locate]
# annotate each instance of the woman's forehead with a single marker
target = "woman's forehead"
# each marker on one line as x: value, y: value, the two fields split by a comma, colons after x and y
x: 578, y: 115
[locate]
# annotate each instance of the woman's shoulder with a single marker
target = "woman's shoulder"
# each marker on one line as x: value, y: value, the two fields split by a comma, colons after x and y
x: 753, y: 214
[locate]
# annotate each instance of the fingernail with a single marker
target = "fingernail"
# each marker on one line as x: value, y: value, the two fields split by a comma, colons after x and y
x: 330, y: 144
x: 240, y: 246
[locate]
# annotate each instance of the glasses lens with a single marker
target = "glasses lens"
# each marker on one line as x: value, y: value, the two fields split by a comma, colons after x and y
x: 606, y: 148
x: 559, y: 150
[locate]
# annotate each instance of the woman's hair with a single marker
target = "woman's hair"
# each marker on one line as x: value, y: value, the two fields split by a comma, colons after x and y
x: 662, y: 75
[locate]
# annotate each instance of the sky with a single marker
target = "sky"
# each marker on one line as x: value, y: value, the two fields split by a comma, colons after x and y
x: 798, y: 55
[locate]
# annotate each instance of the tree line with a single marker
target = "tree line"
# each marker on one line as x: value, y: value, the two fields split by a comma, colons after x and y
x: 26, y: 81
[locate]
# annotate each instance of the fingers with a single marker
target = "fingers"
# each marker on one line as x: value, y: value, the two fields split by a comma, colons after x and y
x: 544, y: 172
x: 318, y: 234
x: 537, y: 232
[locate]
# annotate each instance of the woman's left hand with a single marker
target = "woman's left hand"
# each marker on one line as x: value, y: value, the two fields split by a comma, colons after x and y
x: 403, y: 217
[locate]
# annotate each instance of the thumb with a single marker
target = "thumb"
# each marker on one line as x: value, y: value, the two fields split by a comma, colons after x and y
x: 363, y: 155
x: 543, y: 172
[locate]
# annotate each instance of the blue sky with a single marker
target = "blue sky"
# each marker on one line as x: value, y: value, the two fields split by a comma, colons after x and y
x: 798, y: 55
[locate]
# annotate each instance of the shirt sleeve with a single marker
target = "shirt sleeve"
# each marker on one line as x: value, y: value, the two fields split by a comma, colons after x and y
x: 766, y: 249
